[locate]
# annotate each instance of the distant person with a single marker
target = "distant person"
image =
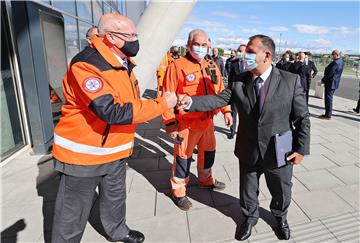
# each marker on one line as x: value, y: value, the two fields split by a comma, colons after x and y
x: 284, y: 62
x: 301, y: 69
x: 312, y: 71
x: 228, y: 62
x: 90, y: 33
x: 218, y: 61
x: 170, y: 56
x: 208, y: 56
x: 331, y: 80
x: 237, y: 67
x: 357, y: 108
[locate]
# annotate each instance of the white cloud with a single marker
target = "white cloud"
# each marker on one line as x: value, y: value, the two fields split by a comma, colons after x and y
x: 230, y: 42
x: 319, y: 30
x: 253, y: 20
x: 312, y: 29
x: 204, y: 23
x: 322, y: 42
x: 226, y: 14
x: 279, y: 29
x: 245, y: 30
x: 180, y: 42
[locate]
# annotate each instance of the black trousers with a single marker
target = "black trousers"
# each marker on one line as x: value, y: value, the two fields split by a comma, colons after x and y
x: 234, y: 117
x: 75, y: 200
x: 278, y: 181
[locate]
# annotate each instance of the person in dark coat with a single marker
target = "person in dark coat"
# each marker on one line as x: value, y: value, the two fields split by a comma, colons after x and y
x: 331, y: 80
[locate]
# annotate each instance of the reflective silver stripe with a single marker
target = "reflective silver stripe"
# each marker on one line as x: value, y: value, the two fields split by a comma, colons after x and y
x: 86, y: 149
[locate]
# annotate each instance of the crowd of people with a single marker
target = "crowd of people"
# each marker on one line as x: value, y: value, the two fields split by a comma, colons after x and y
x: 95, y: 134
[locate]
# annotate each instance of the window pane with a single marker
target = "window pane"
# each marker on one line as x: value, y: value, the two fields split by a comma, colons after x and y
x: 84, y: 9
x: 11, y: 129
x: 71, y: 37
x: 67, y: 6
x: 83, y: 28
x: 97, y: 11
x: 107, y: 8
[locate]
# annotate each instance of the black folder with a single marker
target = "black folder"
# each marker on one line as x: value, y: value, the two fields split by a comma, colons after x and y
x: 283, y: 146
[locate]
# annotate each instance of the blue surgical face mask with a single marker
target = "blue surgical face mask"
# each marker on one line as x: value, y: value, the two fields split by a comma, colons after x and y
x: 250, y: 61
x: 199, y: 51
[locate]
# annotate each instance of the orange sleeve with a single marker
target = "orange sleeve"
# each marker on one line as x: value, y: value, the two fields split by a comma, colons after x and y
x: 96, y: 94
x: 170, y: 84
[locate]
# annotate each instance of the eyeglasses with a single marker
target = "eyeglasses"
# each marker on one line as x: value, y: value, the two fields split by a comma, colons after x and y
x: 126, y: 35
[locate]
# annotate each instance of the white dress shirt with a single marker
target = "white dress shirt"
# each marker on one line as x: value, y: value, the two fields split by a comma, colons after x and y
x: 264, y: 86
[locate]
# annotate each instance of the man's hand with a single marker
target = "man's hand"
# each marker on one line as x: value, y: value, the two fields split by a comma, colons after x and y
x: 172, y: 130
x: 170, y: 98
x: 183, y: 101
x: 295, y: 158
x: 228, y: 119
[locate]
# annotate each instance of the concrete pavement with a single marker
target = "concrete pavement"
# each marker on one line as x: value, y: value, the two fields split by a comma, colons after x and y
x: 324, y: 208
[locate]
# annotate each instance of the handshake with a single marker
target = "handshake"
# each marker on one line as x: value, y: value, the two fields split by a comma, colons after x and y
x: 180, y: 101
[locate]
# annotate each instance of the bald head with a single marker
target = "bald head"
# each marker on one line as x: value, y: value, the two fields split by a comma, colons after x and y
x: 115, y: 22
x: 336, y: 54
x: 301, y: 56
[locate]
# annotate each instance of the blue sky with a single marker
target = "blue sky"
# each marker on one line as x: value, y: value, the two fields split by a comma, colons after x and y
x: 315, y: 26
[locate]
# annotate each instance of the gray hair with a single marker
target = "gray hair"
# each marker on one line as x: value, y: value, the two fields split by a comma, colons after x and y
x: 195, y: 32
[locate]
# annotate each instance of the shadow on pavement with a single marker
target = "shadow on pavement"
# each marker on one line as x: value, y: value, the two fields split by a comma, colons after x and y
x: 160, y: 173
x: 9, y: 235
x: 336, y: 115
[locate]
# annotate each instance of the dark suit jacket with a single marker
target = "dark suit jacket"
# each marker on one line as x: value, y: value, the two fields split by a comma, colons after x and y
x: 283, y: 65
x: 332, y: 74
x: 235, y: 70
x: 312, y: 68
x: 303, y: 71
x: 220, y: 64
x: 285, y: 105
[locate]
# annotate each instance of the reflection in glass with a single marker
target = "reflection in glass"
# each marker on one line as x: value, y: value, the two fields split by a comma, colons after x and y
x: 71, y: 37
x: 83, y: 28
x: 11, y: 129
x: 67, y: 6
x: 84, y: 10
x: 107, y: 8
x: 97, y: 11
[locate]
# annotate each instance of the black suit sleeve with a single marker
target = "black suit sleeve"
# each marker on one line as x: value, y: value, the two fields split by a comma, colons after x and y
x: 104, y: 108
x: 313, y: 67
x: 300, y: 118
x: 211, y: 102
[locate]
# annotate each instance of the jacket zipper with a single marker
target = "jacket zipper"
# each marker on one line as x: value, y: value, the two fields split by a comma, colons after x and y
x: 204, y: 81
x: 105, y: 135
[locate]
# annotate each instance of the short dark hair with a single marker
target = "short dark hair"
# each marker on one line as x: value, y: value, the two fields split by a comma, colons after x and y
x: 266, y: 41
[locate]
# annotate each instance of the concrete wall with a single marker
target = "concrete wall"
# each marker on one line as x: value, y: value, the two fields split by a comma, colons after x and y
x: 157, y: 28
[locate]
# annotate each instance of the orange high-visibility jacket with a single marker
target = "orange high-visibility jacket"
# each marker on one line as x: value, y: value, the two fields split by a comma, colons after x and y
x: 102, y: 106
x: 188, y: 76
x: 160, y: 72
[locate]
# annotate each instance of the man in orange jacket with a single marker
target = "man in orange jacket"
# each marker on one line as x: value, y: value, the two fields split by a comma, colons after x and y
x: 95, y: 134
x: 194, y: 75
x: 170, y: 56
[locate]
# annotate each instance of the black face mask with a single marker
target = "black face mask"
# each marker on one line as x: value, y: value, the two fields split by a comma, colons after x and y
x: 130, y: 48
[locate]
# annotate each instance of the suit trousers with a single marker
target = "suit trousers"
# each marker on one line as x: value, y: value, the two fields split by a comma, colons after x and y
x: 234, y: 117
x: 329, y: 93
x: 76, y: 198
x: 279, y: 183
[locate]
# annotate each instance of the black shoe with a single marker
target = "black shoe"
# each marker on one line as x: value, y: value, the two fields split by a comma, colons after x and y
x: 356, y: 111
x: 283, y: 230
x: 182, y: 202
x: 231, y: 135
x: 324, y: 117
x: 245, y: 230
x: 133, y: 237
x: 218, y: 185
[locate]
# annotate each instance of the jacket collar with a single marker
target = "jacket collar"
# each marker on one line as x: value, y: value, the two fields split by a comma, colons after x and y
x: 107, y: 54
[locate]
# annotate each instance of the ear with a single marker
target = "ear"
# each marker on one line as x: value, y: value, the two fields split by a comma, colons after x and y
x: 110, y: 39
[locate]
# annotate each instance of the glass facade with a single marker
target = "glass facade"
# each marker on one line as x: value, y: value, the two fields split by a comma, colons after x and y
x: 12, y: 136
x: 79, y: 16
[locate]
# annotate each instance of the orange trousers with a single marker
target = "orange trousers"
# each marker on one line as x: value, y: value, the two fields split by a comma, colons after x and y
x: 204, y: 139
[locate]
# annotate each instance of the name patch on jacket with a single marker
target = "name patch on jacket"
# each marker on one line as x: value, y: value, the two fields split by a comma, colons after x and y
x: 190, y: 77
x: 92, y: 85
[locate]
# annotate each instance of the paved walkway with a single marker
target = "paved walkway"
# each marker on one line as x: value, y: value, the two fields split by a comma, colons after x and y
x: 324, y: 208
